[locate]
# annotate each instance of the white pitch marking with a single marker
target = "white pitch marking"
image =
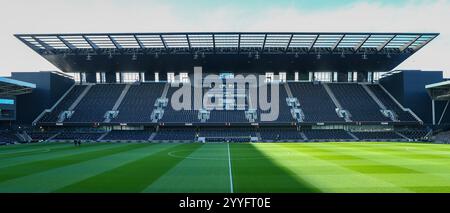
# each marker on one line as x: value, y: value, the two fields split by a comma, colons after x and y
x: 229, y: 169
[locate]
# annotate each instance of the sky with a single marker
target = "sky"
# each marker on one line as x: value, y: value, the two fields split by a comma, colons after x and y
x: 90, y: 16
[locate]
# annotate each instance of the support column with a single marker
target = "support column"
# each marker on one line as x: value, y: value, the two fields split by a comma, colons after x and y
x: 149, y: 76
x: 110, y: 77
x: 362, y: 76
x: 91, y: 77
x: 290, y: 75
x: 303, y: 76
x: 433, y: 113
x: 163, y: 76
x: 342, y: 76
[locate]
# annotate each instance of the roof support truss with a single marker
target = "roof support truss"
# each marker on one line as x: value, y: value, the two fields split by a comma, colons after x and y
x: 225, y: 43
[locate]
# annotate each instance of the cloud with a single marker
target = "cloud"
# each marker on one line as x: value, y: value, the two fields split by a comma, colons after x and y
x: 47, y: 16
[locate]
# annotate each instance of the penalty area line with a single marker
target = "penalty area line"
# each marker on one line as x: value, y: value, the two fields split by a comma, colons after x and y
x: 229, y: 169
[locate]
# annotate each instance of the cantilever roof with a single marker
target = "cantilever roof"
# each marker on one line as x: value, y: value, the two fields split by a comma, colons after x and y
x: 439, y: 91
x: 13, y: 87
x: 229, y: 42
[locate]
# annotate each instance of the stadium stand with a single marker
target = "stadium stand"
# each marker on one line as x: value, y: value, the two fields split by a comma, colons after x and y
x: 227, y: 134
x: 128, y: 135
x: 355, y: 99
x: 94, y: 105
x: 343, y: 103
x: 138, y: 104
x: 78, y: 136
x: 327, y: 135
x: 41, y: 136
x: 415, y: 134
x: 281, y: 134
x: 64, y: 104
x: 315, y: 102
x: 175, y: 134
x: 7, y: 137
x: 178, y: 116
x: 385, y: 135
x: 390, y: 104
x: 284, y: 111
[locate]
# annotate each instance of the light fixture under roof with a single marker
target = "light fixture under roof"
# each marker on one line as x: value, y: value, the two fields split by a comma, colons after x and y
x: 364, y: 56
x: 257, y: 56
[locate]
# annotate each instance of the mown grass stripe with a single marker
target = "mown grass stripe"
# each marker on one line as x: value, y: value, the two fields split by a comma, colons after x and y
x: 8, y: 173
x: 203, y: 171
x: 35, y: 151
x: 328, y: 174
x: 254, y: 171
x: 29, y: 146
x: 429, y: 167
x: 54, y: 179
x: 134, y: 176
x: 21, y: 147
x: 71, y: 150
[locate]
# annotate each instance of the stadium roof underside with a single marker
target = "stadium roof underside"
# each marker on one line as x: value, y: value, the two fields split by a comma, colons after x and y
x: 439, y: 91
x: 228, y: 43
x: 11, y: 87
x: 234, y: 51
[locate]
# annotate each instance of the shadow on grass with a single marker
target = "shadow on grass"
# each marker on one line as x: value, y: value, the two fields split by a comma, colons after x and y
x: 20, y: 170
x: 134, y: 176
x: 254, y: 171
x: 29, y: 151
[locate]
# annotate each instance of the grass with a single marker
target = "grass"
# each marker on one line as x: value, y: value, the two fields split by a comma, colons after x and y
x: 260, y: 167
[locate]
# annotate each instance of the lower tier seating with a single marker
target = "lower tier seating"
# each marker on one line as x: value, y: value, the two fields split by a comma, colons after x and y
x: 327, y: 135
x: 377, y: 135
x: 176, y: 134
x: 280, y: 134
x: 8, y: 138
x: 40, y: 136
x: 130, y: 135
x: 78, y: 136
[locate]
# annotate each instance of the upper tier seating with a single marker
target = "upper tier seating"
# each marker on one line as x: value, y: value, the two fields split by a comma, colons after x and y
x: 100, y: 99
x: 64, y: 104
x: 138, y: 104
x: 284, y: 111
x: 354, y: 98
x: 315, y: 102
x: 390, y: 104
x: 227, y: 116
x: 179, y: 116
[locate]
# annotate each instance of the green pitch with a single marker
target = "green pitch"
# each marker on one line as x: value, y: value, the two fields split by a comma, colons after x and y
x: 276, y: 167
